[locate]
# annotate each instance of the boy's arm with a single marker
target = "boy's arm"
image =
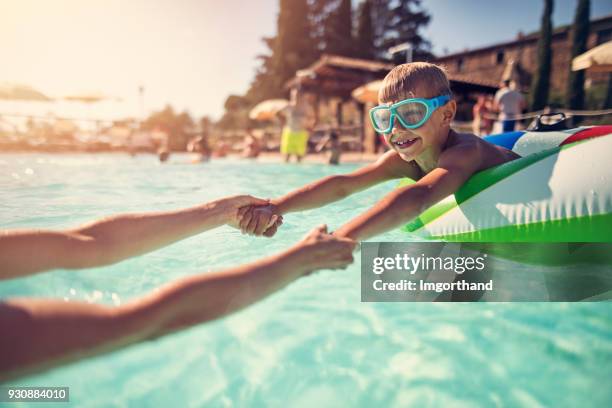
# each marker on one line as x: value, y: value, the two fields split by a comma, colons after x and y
x: 455, y: 167
x: 112, y: 239
x: 41, y: 333
x: 329, y: 189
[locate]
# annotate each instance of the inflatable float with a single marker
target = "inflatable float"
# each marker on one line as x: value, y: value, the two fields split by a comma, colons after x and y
x: 560, y: 190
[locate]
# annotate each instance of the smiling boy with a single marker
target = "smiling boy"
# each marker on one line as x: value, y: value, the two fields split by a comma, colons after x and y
x: 415, y: 114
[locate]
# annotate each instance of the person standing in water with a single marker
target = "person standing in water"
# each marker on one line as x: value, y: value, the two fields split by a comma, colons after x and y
x: 300, y: 120
x: 332, y: 143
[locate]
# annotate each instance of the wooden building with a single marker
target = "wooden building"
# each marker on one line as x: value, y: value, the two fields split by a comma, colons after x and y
x: 517, y: 59
x: 330, y: 81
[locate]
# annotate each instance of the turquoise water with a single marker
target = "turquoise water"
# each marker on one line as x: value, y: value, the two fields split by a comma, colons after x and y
x: 313, y: 343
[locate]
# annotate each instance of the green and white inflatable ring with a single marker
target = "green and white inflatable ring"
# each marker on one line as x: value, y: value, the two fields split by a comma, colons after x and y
x: 560, y: 190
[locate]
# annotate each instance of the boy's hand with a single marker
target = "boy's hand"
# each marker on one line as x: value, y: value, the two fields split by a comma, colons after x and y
x: 322, y: 250
x: 260, y: 220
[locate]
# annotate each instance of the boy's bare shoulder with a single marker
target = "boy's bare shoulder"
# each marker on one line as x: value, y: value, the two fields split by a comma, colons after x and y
x: 460, y: 150
x: 464, y: 140
x: 473, y: 147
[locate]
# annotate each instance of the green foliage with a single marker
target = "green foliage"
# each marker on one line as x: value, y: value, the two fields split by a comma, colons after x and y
x: 236, y: 114
x: 401, y: 21
x: 338, y: 30
x: 364, y: 43
x: 292, y: 47
x: 556, y: 100
x: 308, y: 28
x: 580, y: 33
x: 607, y: 101
x: 595, y: 97
x: 179, y: 127
x: 541, y: 83
x: 235, y: 102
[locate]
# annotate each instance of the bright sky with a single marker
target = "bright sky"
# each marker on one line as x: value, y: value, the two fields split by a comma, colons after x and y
x: 194, y: 53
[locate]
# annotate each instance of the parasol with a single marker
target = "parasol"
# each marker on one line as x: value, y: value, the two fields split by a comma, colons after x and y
x: 598, y: 59
x: 368, y: 92
x: 268, y: 109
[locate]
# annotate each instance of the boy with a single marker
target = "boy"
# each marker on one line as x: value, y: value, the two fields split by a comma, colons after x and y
x: 415, y: 115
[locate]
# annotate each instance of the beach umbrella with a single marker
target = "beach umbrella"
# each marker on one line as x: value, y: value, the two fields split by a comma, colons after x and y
x: 598, y: 59
x: 21, y: 92
x: 89, y: 97
x: 368, y: 92
x: 268, y: 109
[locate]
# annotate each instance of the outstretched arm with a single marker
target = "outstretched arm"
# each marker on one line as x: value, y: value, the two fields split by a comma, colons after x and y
x: 111, y: 239
x: 41, y: 333
x: 455, y: 166
x: 327, y: 190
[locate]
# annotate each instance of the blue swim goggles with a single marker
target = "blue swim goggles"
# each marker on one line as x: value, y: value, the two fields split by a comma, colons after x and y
x: 411, y: 113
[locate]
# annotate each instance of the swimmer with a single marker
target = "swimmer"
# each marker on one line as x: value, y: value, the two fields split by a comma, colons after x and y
x: 163, y: 155
x: 332, y: 143
x: 38, y: 334
x: 199, y: 146
x: 415, y: 114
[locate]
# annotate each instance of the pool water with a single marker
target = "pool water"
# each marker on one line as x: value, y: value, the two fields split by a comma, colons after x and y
x: 314, y: 343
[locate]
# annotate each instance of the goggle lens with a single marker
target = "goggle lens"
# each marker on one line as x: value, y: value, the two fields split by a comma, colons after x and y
x: 412, y: 113
x: 381, y: 119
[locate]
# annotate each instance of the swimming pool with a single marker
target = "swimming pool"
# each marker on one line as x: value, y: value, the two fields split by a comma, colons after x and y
x: 313, y: 343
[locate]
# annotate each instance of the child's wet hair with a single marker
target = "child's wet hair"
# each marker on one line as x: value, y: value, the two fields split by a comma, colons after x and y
x: 404, y: 80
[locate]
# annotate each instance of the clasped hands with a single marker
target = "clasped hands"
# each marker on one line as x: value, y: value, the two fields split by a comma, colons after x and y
x: 319, y: 248
x: 259, y: 220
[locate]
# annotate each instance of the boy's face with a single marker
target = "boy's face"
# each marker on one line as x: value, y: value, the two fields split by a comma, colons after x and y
x: 410, y: 143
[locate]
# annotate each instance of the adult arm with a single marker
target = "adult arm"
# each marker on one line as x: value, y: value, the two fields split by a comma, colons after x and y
x: 111, y: 239
x: 455, y: 167
x: 327, y: 190
x: 41, y: 333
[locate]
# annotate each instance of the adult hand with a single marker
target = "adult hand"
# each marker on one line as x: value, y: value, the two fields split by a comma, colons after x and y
x: 322, y: 250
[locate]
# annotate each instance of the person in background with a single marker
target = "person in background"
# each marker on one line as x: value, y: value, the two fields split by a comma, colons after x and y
x: 488, y: 118
x: 222, y: 149
x: 482, y: 123
x: 299, y: 122
x: 200, y: 147
x: 251, y: 148
x: 163, y: 155
x: 38, y: 334
x: 332, y: 142
x: 163, y: 147
x: 509, y: 103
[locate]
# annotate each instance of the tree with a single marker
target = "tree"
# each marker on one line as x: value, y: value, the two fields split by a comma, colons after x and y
x: 364, y: 41
x: 338, y: 31
x: 401, y: 21
x: 292, y: 47
x: 541, y: 82
x: 265, y: 84
x: 236, y: 114
x: 580, y: 34
x: 178, y: 127
x: 308, y: 28
x: 607, y: 102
